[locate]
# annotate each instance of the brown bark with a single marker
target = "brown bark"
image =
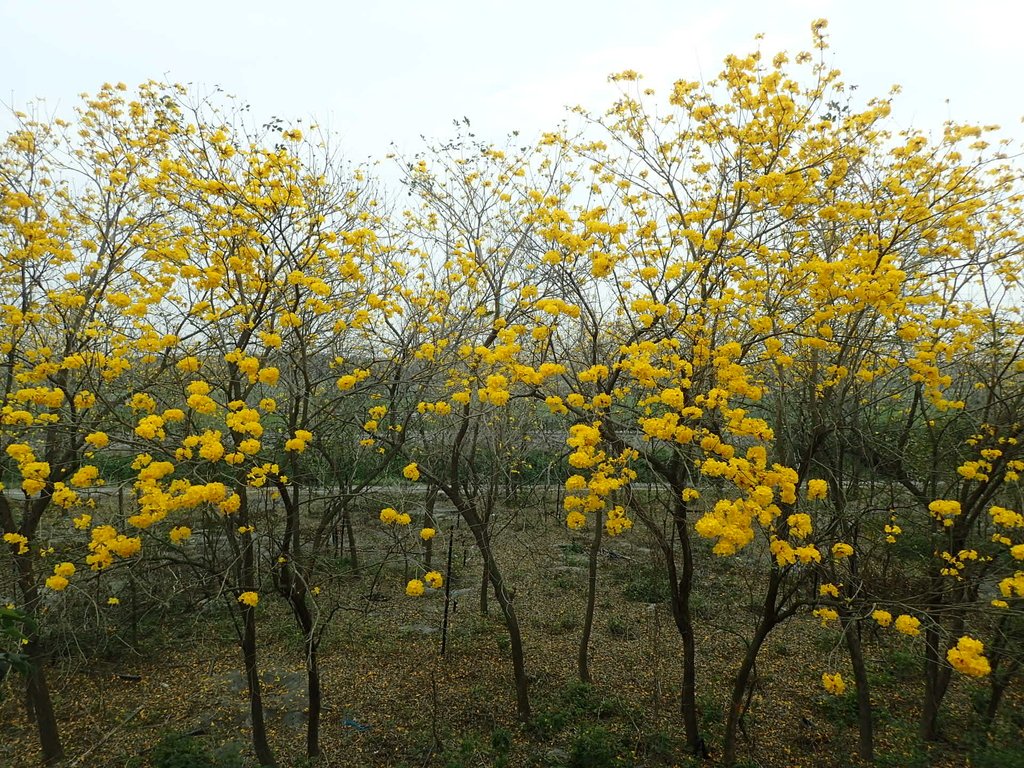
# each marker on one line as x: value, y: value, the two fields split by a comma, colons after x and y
x: 260, y: 744
x: 583, y: 657
x: 866, y: 736
x: 39, y: 704
x: 505, y: 602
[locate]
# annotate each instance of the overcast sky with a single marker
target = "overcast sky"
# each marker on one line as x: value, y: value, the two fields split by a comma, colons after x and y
x: 376, y: 72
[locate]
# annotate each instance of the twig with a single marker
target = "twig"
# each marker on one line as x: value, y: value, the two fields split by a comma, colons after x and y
x: 111, y: 732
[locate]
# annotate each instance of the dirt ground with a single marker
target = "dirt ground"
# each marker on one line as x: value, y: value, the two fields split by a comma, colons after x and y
x: 391, y: 700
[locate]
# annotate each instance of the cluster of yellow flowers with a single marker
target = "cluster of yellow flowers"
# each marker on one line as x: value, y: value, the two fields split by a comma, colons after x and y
x: 1012, y: 586
x: 608, y: 474
x: 34, y: 473
x: 495, y: 390
x: 892, y: 531
x: 833, y: 683
x: 417, y: 587
x: 243, y: 420
x: 584, y: 438
x: 967, y: 657
x: 841, y: 549
x: 250, y: 367
x: 198, y: 397
x: 826, y: 615
x: 299, y: 441
x: 105, y: 542
x: 955, y: 564
x: 816, y: 489
x: 97, y: 440
x: 944, y: 510
x: 151, y: 427
x: 440, y: 408
x: 349, y: 380
x: 390, y: 516
x: 258, y: 476
x: 908, y: 625
x: 62, y: 573
x: 17, y: 540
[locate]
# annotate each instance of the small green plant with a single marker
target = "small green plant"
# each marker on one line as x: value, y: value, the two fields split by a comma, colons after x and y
x: 903, y: 747
x: 179, y: 750
x: 646, y: 585
x: 465, y: 755
x: 904, y: 665
x: 1001, y: 747
x: 545, y: 725
x: 658, y: 746
x: 501, y: 745
x: 565, y: 624
x: 841, y: 710
x: 620, y: 628
x: 710, y: 712
x: 595, y: 747
x: 13, y: 625
x: 577, y: 701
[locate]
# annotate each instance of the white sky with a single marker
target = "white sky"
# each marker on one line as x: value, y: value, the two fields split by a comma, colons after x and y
x: 391, y: 71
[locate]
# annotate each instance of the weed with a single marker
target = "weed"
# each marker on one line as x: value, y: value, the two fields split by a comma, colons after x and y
x: 596, y: 747
x: 904, y: 665
x: 176, y: 750
x: 646, y: 585
x: 620, y: 628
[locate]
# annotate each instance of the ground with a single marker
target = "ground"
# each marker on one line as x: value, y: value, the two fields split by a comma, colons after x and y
x: 391, y: 700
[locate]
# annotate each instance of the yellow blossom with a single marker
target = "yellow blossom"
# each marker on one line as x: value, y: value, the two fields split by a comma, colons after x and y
x: 908, y: 625
x: 841, y: 549
x: 967, y: 657
x: 834, y: 684
x: 56, y: 583
x: 816, y: 489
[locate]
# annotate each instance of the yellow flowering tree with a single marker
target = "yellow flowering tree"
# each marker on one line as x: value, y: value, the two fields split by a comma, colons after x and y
x: 282, y: 244
x: 79, y: 281
x: 465, y: 345
x: 691, y: 233
x: 786, y: 270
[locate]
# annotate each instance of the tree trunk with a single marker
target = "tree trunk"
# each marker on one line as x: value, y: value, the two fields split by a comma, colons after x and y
x: 998, y: 687
x: 866, y: 739
x: 583, y: 658
x: 680, y: 596
x: 505, y: 602
x: 38, y: 694
x: 315, y: 700
x: 246, y: 576
x: 39, y: 705
x: 936, y: 680
x: 485, y: 586
x: 349, y: 531
x: 429, y: 522
x: 681, y: 587
x: 252, y: 676
x: 739, y: 690
x: 770, y: 617
x: 1003, y: 671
